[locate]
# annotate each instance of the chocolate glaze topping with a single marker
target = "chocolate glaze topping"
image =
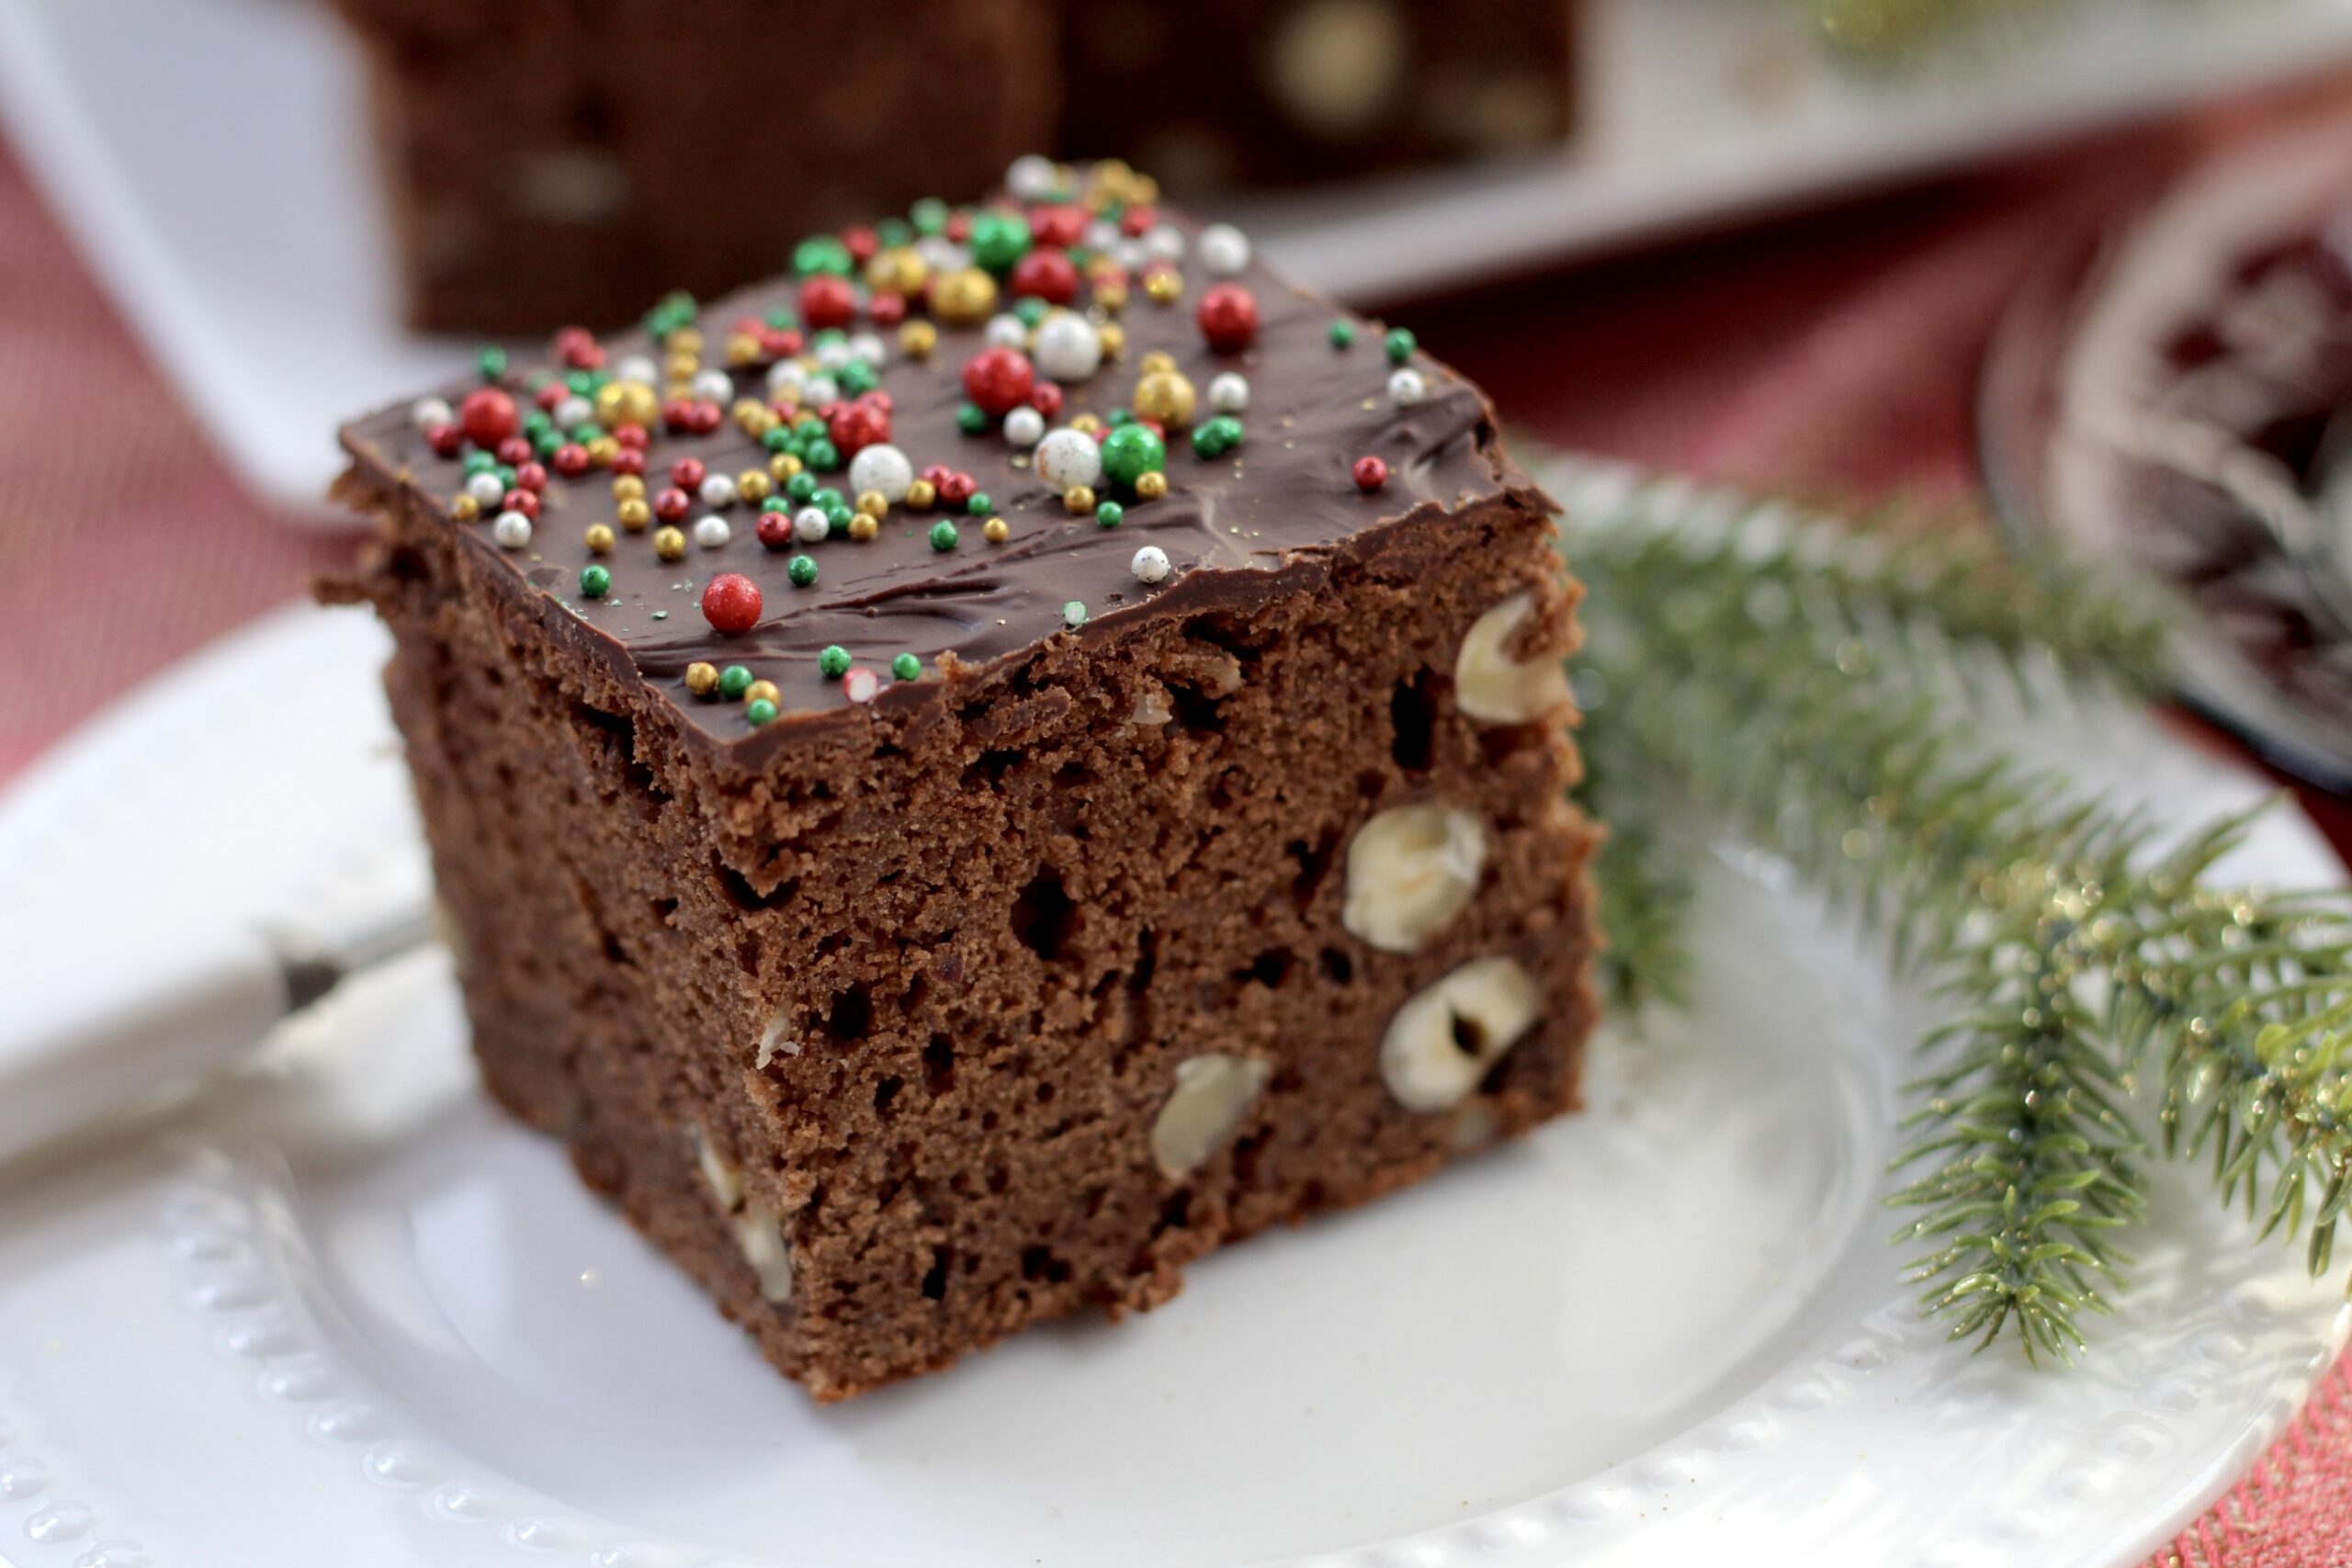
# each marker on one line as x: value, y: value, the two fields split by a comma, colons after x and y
x: 1262, y: 519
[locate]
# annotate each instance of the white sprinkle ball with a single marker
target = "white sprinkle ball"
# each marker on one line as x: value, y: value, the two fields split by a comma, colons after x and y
x: 819, y: 390
x: 1032, y: 176
x: 1074, y: 613
x: 1229, y: 391
x: 884, y: 469
x: 485, y: 489
x: 1025, y: 426
x: 1150, y: 564
x: 426, y: 412
x: 1005, y: 330
x: 1224, y: 249
x: 867, y: 346
x: 712, y: 532
x: 859, y: 683
x: 718, y: 490
x: 809, y: 525
x: 635, y: 368
x: 788, y: 375
x: 513, y: 530
x: 1130, y: 254
x: 1102, y: 234
x: 940, y: 253
x: 833, y: 354
x: 1068, y: 457
x: 1069, y: 347
x: 1406, y: 387
x: 573, y: 411
x: 711, y: 386
x: 1165, y: 242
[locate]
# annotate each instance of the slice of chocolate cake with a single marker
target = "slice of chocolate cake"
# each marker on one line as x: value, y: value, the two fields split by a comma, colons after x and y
x: 969, y: 778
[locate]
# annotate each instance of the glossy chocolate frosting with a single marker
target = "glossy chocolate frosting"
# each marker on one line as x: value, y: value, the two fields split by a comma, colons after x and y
x: 1257, y: 520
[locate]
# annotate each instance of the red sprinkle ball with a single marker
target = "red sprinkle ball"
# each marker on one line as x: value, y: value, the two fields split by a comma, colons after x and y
x: 1371, y: 474
x: 999, y: 379
x: 1050, y: 276
x: 775, y: 529
x: 1061, y: 225
x: 447, y: 440
x: 488, y: 417
x: 1229, y: 316
x: 859, y: 423
x: 731, y: 603
x: 687, y: 473
x: 827, y: 301
x: 1046, y: 399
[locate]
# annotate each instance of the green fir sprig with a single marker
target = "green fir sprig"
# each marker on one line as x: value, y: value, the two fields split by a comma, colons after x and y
x: 1803, y: 684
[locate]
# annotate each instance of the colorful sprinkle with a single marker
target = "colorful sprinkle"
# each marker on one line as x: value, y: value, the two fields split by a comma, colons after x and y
x: 906, y: 667
x: 701, y: 678
x: 733, y: 682
x: 802, y: 569
x: 943, y: 536
x: 595, y: 582
x: 731, y: 603
x: 834, y: 662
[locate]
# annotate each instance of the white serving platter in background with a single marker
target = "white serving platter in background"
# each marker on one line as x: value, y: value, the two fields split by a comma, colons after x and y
x: 340, y: 1311
x: 210, y: 157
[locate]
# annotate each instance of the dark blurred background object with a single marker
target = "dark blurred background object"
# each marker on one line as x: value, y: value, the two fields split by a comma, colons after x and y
x: 570, y: 161
x: 1239, y: 93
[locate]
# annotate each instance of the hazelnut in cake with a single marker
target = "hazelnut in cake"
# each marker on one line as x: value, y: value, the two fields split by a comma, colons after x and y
x: 969, y: 776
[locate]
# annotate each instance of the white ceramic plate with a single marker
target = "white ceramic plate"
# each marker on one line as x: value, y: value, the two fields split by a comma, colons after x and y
x: 341, y: 1312
x: 232, y: 208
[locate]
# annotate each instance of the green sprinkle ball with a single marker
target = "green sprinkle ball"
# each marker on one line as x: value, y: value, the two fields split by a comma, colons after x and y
x: 1074, y: 613
x: 595, y: 582
x: 1214, y: 437
x: 906, y: 667
x: 733, y: 682
x: 1343, y: 333
x: 999, y: 240
x: 929, y: 215
x: 834, y: 662
x: 978, y: 505
x: 1132, y: 451
x: 801, y: 486
x: 802, y: 569
x: 759, y: 712
x: 820, y: 254
x: 1110, y: 514
x: 943, y: 536
x: 491, y: 362
x: 971, y: 419
x: 823, y: 456
x: 1399, y: 345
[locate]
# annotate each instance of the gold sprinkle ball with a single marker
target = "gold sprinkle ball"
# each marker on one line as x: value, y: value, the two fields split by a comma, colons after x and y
x: 870, y: 502
x: 669, y: 544
x: 1151, y: 486
x: 1079, y: 499
x: 963, y: 297
x: 1164, y: 287
x: 465, y: 508
x: 742, y: 349
x: 599, y: 537
x: 752, y: 485
x: 682, y: 367
x: 996, y: 530
x: 634, y: 513
x: 629, y: 487
x: 602, y: 450
x: 921, y: 495
x: 783, y: 466
x: 759, y: 690
x: 701, y: 679
x: 686, y: 340
x: 1165, y: 397
x: 899, y: 269
x: 1110, y: 293
x: 917, y: 339
x: 1114, y: 339
x: 1086, y: 424
x: 626, y: 403
x: 1156, y: 363
x: 864, y: 526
